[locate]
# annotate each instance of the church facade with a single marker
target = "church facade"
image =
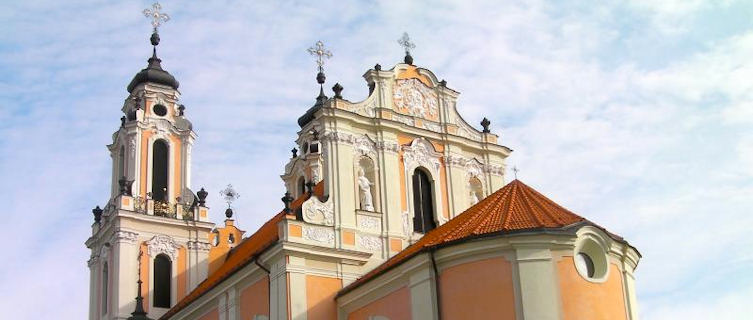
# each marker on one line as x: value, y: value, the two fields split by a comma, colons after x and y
x: 396, y: 208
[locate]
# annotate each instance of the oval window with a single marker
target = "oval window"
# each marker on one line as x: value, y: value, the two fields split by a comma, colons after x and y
x: 160, y: 110
x: 585, y: 263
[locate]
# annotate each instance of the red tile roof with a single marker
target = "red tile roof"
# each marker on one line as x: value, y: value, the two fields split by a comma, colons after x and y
x: 243, y: 254
x: 514, y: 207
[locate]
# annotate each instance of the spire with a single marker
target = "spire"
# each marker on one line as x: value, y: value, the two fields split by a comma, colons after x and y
x: 405, y: 42
x: 154, y: 72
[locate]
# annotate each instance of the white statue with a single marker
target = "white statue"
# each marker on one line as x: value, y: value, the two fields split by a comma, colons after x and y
x: 474, y: 198
x: 364, y: 188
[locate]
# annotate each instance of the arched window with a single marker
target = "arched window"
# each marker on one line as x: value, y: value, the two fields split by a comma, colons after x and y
x: 105, y: 287
x: 121, y: 163
x: 160, y: 155
x: 162, y: 280
x: 423, y: 205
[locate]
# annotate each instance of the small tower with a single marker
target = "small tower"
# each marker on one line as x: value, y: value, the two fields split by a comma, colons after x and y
x: 151, y: 208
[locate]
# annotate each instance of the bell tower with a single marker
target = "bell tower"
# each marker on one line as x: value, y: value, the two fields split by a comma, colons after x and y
x: 153, y: 229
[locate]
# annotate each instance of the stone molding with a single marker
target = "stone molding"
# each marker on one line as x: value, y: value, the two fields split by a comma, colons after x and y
x: 160, y: 244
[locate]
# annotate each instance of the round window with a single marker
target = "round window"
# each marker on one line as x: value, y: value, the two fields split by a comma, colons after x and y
x: 591, y: 260
x: 584, y: 262
x: 160, y: 110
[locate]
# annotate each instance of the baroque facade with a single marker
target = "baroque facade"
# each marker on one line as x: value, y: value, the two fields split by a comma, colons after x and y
x: 396, y: 208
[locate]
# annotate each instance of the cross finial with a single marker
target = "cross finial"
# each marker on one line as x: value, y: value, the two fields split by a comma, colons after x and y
x: 229, y: 194
x: 515, y: 172
x: 321, y: 53
x: 405, y: 42
x: 156, y: 15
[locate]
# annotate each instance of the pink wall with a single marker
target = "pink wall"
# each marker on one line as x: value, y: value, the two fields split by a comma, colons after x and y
x: 478, y: 290
x: 254, y: 300
x: 584, y: 300
x: 395, y: 306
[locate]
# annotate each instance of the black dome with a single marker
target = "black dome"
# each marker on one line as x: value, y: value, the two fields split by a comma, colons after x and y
x: 155, y: 74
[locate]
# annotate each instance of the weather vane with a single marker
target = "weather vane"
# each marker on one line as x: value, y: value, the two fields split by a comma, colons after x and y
x: 321, y: 53
x: 229, y: 194
x: 405, y: 42
x: 156, y: 15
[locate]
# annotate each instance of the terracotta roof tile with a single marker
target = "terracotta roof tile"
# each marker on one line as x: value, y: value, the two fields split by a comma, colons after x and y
x: 514, y: 207
x: 243, y: 254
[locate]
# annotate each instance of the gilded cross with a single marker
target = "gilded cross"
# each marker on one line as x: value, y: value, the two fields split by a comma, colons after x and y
x: 156, y: 15
x: 405, y: 42
x: 320, y: 52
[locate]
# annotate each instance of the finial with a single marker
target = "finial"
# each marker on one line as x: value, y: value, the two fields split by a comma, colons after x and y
x: 321, y: 53
x: 378, y: 67
x: 181, y: 109
x: 229, y: 213
x: 443, y: 83
x: 229, y: 194
x: 338, y: 89
x: 97, y: 214
x: 139, y: 313
x: 294, y: 151
x: 287, y: 199
x: 405, y: 42
x: 485, y: 124
x: 515, y: 172
x: 156, y: 16
x: 202, y: 194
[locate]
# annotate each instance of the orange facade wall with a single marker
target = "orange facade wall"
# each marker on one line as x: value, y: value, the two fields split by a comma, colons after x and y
x: 478, y: 290
x: 144, y: 162
x: 584, y: 300
x: 182, y: 273
x: 145, y: 275
x: 211, y: 315
x: 254, y: 300
x: 394, y: 306
x: 320, y: 297
x: 175, y: 145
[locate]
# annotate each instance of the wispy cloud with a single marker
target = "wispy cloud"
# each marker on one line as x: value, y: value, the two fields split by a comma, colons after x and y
x: 634, y: 114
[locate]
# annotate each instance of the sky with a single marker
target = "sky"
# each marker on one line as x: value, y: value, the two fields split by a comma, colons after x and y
x: 637, y: 114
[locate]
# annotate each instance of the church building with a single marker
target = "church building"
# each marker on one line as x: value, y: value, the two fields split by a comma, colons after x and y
x: 396, y: 208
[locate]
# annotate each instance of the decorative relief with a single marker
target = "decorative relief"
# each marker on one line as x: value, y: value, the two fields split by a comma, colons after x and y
x: 388, y: 146
x: 421, y: 153
x: 364, y: 146
x: 318, y: 212
x: 124, y: 236
x: 132, y: 146
x: 403, y: 119
x: 496, y: 170
x: 474, y: 168
x: 466, y: 131
x: 163, y: 244
x: 369, y: 223
x: 406, y: 223
x: 432, y: 126
x: 370, y: 243
x: 321, y: 235
x: 200, y: 246
x: 414, y: 98
x: 365, y: 108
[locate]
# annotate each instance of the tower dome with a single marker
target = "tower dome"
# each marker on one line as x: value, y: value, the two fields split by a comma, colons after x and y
x: 153, y: 72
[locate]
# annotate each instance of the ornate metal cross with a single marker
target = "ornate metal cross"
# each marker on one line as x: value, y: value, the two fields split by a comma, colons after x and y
x: 320, y: 52
x: 156, y: 15
x: 229, y: 194
x: 405, y: 42
x: 515, y: 172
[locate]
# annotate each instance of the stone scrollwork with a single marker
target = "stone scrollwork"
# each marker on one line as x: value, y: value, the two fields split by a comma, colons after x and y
x: 493, y: 169
x: 421, y: 153
x: 370, y: 243
x: 199, y: 246
x: 369, y: 223
x: 364, y: 146
x: 388, y: 146
x: 365, y: 108
x: 406, y: 223
x: 317, y: 212
x: 321, y: 235
x: 125, y: 236
x: 162, y: 244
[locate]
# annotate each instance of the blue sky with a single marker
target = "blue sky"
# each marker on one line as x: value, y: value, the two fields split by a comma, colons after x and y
x: 635, y: 114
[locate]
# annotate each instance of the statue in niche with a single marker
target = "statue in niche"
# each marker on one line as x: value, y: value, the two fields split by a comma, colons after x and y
x: 364, y: 188
x: 474, y: 198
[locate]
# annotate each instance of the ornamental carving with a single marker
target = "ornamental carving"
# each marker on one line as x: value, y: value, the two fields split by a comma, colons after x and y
x: 421, y: 153
x: 132, y: 146
x: 365, y: 108
x: 318, y: 212
x: 370, y: 243
x: 403, y: 119
x: 200, y: 246
x: 162, y: 244
x: 466, y: 131
x: 321, y: 235
x: 414, y: 98
x: 474, y: 168
x: 369, y: 223
x: 432, y: 126
x: 364, y: 146
x: 124, y: 236
x: 388, y: 146
x: 496, y: 170
x: 406, y: 223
